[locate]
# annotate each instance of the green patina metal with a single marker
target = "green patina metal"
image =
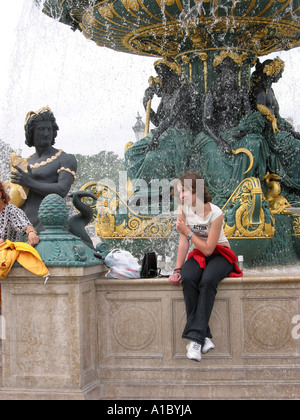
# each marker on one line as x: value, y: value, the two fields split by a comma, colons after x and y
x: 159, y: 27
x: 200, y: 35
x: 58, y: 247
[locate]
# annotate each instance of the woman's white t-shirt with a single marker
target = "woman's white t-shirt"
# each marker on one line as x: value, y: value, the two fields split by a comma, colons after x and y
x: 201, y: 225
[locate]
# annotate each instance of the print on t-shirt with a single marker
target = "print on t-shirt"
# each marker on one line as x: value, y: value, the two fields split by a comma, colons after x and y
x: 200, y: 230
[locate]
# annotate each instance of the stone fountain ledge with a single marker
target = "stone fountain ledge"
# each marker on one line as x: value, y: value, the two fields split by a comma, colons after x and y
x: 284, y: 272
x: 256, y: 356
x: 83, y: 336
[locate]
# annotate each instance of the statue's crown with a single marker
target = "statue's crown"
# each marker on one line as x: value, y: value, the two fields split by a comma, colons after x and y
x: 33, y: 113
x: 274, y: 68
x: 171, y: 64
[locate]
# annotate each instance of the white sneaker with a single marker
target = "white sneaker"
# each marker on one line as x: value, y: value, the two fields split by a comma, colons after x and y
x: 194, y: 351
x: 208, y: 346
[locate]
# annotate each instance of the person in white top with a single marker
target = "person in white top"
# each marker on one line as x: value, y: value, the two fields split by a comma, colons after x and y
x: 201, y: 223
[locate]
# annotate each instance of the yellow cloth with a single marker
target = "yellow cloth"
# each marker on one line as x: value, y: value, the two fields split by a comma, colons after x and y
x: 26, y: 255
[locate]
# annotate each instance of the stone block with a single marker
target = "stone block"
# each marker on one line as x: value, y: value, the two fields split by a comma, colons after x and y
x: 83, y: 336
x: 50, y: 346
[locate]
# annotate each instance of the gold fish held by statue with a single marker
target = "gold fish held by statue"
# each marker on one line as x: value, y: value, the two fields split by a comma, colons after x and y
x: 17, y: 193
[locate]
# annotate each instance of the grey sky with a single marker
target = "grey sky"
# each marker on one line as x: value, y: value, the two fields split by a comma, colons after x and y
x: 95, y: 93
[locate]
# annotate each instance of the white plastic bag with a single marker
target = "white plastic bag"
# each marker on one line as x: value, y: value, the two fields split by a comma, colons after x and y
x: 122, y: 265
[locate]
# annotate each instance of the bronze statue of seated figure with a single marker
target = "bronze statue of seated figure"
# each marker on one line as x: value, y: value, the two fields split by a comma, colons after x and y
x: 49, y: 170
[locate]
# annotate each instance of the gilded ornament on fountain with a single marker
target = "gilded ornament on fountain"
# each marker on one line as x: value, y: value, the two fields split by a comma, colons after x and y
x: 159, y: 27
x: 111, y: 223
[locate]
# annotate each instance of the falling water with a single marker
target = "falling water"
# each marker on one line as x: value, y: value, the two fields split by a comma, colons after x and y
x: 94, y: 92
x: 52, y: 65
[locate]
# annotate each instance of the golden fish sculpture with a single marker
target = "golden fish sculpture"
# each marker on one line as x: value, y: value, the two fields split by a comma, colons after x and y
x: 17, y: 193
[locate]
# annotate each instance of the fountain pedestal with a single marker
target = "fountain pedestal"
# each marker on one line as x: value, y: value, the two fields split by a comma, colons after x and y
x: 86, y: 337
x: 50, y: 350
x: 50, y: 345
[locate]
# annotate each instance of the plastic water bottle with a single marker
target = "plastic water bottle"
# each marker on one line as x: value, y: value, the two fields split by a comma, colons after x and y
x: 241, y: 262
x: 168, y: 265
x: 160, y: 263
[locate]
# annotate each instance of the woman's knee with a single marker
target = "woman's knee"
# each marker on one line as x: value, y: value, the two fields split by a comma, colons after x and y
x: 210, y: 280
x: 191, y: 272
x: 209, y: 283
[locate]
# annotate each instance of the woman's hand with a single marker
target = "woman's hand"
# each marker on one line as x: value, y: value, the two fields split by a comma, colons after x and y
x: 182, y: 227
x: 33, y: 238
x: 174, y: 279
x: 1, y: 241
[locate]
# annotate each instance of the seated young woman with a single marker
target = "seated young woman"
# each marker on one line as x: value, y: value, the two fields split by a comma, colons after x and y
x: 200, y: 224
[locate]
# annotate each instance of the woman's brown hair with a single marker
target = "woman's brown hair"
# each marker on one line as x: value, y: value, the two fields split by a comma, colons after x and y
x: 190, y: 180
x: 5, y: 197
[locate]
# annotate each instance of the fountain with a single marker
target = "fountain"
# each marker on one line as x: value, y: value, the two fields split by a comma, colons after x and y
x: 192, y: 32
x: 200, y: 37
x: 83, y: 336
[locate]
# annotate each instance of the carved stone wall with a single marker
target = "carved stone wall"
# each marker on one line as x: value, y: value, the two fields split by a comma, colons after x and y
x: 82, y: 336
x: 142, y: 354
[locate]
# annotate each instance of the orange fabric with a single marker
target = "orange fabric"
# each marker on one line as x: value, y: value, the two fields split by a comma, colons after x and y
x: 225, y: 252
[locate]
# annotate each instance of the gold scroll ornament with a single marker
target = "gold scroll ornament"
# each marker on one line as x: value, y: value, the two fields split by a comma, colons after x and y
x: 248, y: 153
